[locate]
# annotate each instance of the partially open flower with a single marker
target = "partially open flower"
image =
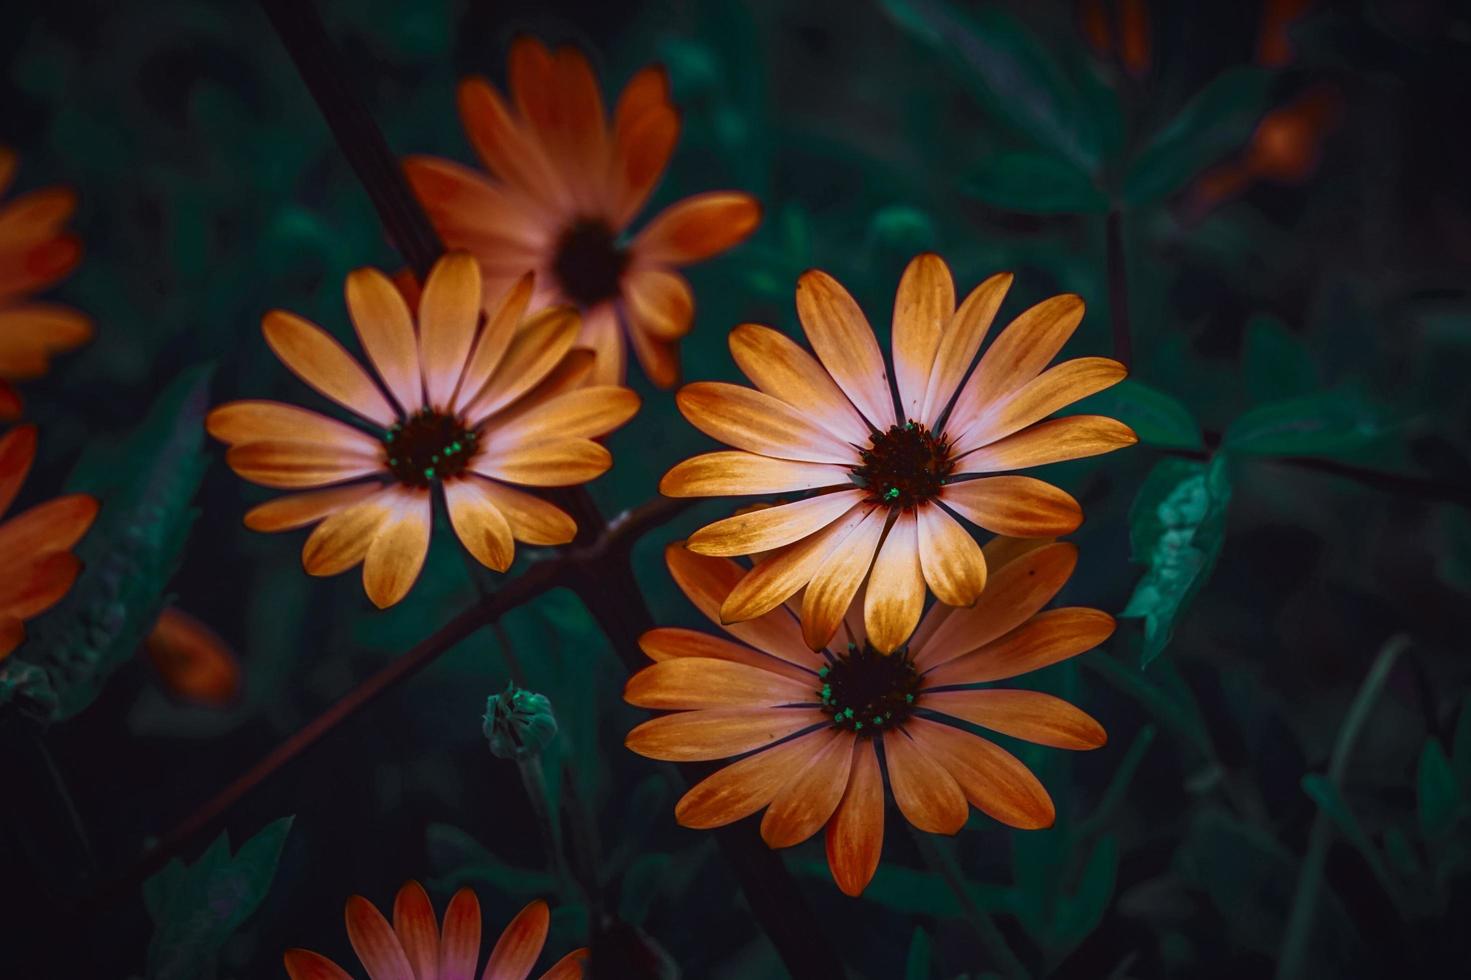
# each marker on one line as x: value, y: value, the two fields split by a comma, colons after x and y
x: 518, y: 723
x: 37, y: 566
x: 415, y: 947
x: 889, y: 477
x: 811, y: 728
x: 468, y: 410
x: 35, y: 252
x: 565, y: 183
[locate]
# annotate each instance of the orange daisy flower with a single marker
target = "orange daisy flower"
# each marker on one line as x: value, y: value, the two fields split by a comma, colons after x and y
x: 564, y: 185
x: 812, y: 728
x: 888, y: 478
x: 415, y: 948
x: 37, y: 566
x: 469, y: 410
x: 35, y: 252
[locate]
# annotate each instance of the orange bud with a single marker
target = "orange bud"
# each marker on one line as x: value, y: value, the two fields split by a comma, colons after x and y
x: 1288, y: 141
x: 1134, y: 36
x: 1273, y: 46
x: 193, y: 662
x: 1093, y: 22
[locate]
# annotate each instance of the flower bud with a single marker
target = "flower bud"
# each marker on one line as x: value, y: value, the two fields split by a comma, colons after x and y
x: 518, y: 723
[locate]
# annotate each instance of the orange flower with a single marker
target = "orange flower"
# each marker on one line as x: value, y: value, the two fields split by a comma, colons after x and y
x: 193, y: 662
x: 414, y: 948
x: 565, y: 184
x: 37, y: 566
x: 467, y: 409
x: 34, y: 253
x: 888, y: 481
x: 814, y: 723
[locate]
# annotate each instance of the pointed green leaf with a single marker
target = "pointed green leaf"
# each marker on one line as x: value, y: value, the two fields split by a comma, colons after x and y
x: 917, y: 963
x: 1326, y: 423
x: 1035, y: 182
x: 1275, y: 363
x: 1437, y: 796
x: 1157, y: 418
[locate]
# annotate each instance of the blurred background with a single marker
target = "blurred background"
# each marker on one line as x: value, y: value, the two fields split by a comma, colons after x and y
x: 1282, y: 190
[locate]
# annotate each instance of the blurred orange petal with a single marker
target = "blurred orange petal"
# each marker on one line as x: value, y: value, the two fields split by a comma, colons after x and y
x: 193, y: 662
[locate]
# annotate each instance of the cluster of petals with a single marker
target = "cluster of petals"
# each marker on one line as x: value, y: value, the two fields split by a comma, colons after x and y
x: 416, y: 947
x: 759, y: 699
x: 35, y: 253
x: 565, y: 182
x: 516, y: 386
x: 35, y: 545
x: 813, y: 424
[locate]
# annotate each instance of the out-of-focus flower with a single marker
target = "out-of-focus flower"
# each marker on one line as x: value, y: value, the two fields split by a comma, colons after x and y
x: 37, y: 566
x: 35, y: 252
x: 1134, y: 33
x: 1274, y: 43
x: 415, y: 948
x: 193, y: 662
x: 468, y: 409
x: 815, y: 723
x: 888, y: 481
x: 518, y: 723
x: 564, y: 186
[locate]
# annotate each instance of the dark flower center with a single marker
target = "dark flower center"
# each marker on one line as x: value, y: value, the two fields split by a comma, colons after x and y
x: 589, y: 263
x: 429, y: 446
x: 904, y: 466
x: 867, y: 692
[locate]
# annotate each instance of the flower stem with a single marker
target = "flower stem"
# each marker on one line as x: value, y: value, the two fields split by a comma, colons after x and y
x: 548, y: 819
x: 1118, y: 289
x: 1296, y: 938
x: 941, y: 859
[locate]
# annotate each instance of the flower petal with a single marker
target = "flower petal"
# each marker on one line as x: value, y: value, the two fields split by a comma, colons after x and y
x: 684, y: 683
x: 494, y: 339
x: 479, y: 523
x: 645, y: 129
x: 994, y: 781
x: 581, y: 414
x: 314, y: 357
x: 855, y: 834
x: 781, y: 368
x: 1051, y: 390
x: 1044, y: 640
x: 804, y: 804
x: 952, y: 562
x: 534, y: 352
x: 1073, y: 437
x: 31, y: 332
x: 923, y: 307
x: 519, y: 947
x: 386, y: 330
x: 778, y: 577
x: 830, y: 593
x: 54, y: 525
x: 718, y: 733
x: 289, y: 465
x: 533, y: 520
x: 459, y: 942
x: 397, y: 553
x: 568, y: 967
x: 927, y: 794
x: 500, y: 143
x: 504, y: 229
x: 697, y: 228
x: 959, y: 343
x: 708, y: 582
x: 571, y: 374
x: 1017, y: 356
x: 658, y: 358
x: 1017, y: 506
x: 303, y: 964
x: 735, y: 473
x: 373, y: 940
x: 300, y: 509
x: 602, y: 334
x: 772, y: 527
x: 659, y: 302
x: 266, y: 421
x: 755, y: 421
x: 1014, y: 593
x: 343, y: 539
x: 562, y: 463
x: 34, y: 583
x: 17, y: 451
x: 840, y: 334
x: 743, y: 787
x: 1030, y: 715
x: 895, y: 596
x: 449, y: 312
x: 667, y: 642
x: 417, y: 930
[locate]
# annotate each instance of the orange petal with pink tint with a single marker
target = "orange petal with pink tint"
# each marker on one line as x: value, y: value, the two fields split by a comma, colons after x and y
x: 1030, y: 715
x: 568, y: 967
x: 684, y: 683
x: 385, y: 328
x: 697, y: 228
x: 855, y: 834
x: 736, y: 473
x: 267, y: 421
x: 992, y: 779
x: 804, y: 804
x: 303, y: 964
x: 959, y: 343
x: 1053, y: 389
x: 17, y: 452
x: 668, y: 642
x: 843, y: 340
x: 829, y: 595
x: 34, y: 583
x: 319, y: 360
x: 1017, y: 356
x: 300, y: 509
x: 1016, y: 506
x: 659, y: 302
x: 923, y: 307
x: 772, y: 527
x: 927, y: 794
x: 718, y: 733
x: 397, y: 552
x: 778, y: 577
x: 518, y: 948
x: 417, y: 930
x: 952, y: 562
x: 780, y: 367
x: 294, y: 465
x: 55, y: 525
x: 479, y: 523
x: 1073, y: 437
x: 1045, y: 639
x: 743, y: 787
x: 459, y: 943
x: 449, y: 313
x: 760, y: 423
x: 193, y: 662
x: 707, y: 582
x: 373, y: 940
x: 895, y: 595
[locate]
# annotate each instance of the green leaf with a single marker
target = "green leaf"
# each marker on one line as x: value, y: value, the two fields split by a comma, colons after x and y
x: 1035, y: 182
x: 146, y: 483
x: 1008, y: 69
x: 641, y: 886
x: 1331, y: 801
x: 1437, y: 796
x: 1176, y: 527
x: 1275, y: 363
x: 1157, y: 418
x: 1218, y: 121
x: 460, y: 859
x: 1461, y: 747
x: 200, y: 907
x: 1326, y: 423
x: 1078, y: 914
x: 917, y: 963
